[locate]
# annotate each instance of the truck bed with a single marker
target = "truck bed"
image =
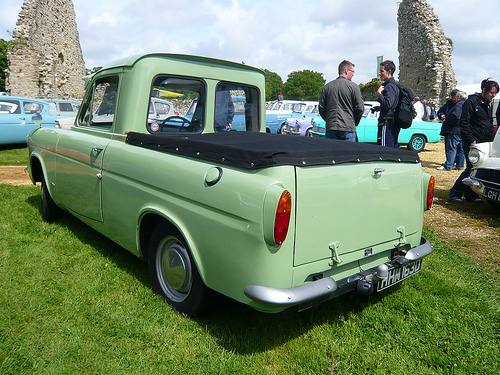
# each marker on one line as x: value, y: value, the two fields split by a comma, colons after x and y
x: 252, y: 150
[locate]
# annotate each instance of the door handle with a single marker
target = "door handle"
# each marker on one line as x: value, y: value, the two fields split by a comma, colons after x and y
x: 97, y: 149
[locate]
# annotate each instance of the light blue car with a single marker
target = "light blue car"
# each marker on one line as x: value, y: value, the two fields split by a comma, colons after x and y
x: 19, y: 116
x: 415, y: 137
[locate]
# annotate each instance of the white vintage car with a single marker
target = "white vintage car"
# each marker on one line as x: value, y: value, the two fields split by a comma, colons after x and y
x: 485, y: 176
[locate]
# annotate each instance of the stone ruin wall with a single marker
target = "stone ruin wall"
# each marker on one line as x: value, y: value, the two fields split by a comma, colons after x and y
x: 46, y: 58
x: 424, y: 53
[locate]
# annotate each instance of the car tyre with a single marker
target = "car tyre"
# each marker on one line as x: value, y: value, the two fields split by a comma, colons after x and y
x: 281, y: 130
x: 417, y: 142
x: 48, y: 209
x: 308, y: 132
x: 173, y: 273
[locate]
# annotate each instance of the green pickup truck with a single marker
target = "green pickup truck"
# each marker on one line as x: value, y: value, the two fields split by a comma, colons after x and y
x: 213, y: 203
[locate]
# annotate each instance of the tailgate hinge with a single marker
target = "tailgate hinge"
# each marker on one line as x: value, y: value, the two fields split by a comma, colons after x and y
x: 336, y: 259
x: 402, y: 237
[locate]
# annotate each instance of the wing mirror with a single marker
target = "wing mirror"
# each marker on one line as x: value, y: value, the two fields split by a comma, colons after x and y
x: 36, y: 119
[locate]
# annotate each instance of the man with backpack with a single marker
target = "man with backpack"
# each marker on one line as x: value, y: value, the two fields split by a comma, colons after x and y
x: 388, y: 97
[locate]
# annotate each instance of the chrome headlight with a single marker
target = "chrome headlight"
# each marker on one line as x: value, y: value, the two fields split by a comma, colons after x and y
x: 475, y: 155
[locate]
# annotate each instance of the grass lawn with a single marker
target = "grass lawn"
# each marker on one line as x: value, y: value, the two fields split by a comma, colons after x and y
x: 73, y: 302
x: 13, y: 154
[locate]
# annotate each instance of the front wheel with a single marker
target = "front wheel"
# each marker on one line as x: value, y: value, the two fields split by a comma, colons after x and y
x: 173, y: 273
x: 417, y: 142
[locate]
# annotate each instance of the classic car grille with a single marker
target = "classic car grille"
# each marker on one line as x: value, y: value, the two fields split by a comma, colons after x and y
x: 489, y: 177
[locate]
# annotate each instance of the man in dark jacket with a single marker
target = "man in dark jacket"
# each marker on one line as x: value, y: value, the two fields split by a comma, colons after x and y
x: 388, y: 97
x: 446, y: 107
x: 451, y: 132
x: 476, y: 124
x: 341, y: 105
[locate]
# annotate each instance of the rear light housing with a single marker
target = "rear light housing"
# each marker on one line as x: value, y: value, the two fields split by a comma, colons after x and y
x: 282, y: 218
x: 430, y: 192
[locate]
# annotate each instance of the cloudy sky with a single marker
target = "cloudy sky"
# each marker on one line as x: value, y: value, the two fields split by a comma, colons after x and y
x: 281, y: 36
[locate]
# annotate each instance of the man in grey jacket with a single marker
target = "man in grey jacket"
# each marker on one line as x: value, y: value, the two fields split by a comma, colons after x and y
x: 341, y: 105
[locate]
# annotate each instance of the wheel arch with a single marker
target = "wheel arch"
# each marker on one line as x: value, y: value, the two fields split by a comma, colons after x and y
x: 149, y: 220
x: 36, y: 170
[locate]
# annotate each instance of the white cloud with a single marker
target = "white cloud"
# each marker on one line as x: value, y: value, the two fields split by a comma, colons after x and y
x: 281, y: 36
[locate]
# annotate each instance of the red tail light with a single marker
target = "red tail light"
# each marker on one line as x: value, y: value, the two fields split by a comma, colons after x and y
x: 282, y: 219
x: 430, y: 192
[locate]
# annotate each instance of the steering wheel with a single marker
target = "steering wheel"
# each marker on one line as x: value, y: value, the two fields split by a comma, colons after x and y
x: 176, y: 120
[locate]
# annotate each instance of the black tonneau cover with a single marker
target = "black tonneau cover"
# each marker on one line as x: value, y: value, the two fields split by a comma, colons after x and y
x: 260, y: 150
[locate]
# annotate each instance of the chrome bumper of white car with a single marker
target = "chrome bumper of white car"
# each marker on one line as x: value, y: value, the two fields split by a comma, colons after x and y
x: 319, y: 291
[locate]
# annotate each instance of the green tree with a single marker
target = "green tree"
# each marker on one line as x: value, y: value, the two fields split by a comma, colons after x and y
x: 4, y: 63
x: 94, y: 70
x: 274, y: 85
x: 303, y: 85
x: 369, y: 90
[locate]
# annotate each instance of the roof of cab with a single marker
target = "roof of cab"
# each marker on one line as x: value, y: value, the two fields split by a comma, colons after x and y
x: 131, y: 60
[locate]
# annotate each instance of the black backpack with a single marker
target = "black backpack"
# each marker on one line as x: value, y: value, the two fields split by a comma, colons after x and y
x: 405, y: 111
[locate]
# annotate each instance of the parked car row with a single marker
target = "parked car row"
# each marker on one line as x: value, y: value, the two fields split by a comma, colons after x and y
x: 19, y: 116
x: 278, y: 112
x: 415, y: 137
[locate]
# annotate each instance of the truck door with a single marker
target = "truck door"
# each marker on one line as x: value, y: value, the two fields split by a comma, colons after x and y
x: 81, y: 150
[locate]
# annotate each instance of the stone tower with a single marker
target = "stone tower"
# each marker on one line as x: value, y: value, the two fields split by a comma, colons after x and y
x: 424, y: 53
x: 46, y: 58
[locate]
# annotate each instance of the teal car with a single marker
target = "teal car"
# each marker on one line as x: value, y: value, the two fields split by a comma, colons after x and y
x: 229, y: 212
x: 415, y: 137
x: 19, y: 116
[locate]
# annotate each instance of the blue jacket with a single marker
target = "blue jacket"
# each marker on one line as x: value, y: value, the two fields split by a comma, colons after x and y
x: 451, y: 125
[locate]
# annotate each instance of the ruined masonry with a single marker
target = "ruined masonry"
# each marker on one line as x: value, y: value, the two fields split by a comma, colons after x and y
x: 424, y: 53
x: 47, y: 57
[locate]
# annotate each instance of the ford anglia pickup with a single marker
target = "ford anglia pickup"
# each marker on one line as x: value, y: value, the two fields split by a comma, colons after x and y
x: 271, y: 221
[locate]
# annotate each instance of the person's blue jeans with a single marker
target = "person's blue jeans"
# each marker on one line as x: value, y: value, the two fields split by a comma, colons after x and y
x: 453, y: 151
x: 342, y: 135
x: 459, y: 189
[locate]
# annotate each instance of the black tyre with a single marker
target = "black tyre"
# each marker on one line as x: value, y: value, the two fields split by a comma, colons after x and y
x: 49, y: 210
x: 282, y: 129
x: 173, y: 273
x: 308, y: 132
x: 417, y: 142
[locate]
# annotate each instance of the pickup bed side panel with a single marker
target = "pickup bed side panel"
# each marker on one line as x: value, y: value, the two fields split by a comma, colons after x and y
x: 222, y: 224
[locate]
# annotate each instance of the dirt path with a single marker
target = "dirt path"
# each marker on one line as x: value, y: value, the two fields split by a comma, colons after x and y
x: 14, y: 175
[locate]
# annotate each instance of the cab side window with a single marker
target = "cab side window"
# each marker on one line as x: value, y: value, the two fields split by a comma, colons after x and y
x: 100, y: 105
x: 176, y: 105
x: 236, y: 108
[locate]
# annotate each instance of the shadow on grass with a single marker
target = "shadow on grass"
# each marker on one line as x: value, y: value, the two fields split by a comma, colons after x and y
x: 481, y: 211
x: 233, y: 325
x: 16, y: 146
x: 124, y: 259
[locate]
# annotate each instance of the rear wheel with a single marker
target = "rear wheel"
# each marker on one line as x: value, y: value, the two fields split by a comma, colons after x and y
x: 417, y: 142
x: 49, y: 210
x: 173, y: 273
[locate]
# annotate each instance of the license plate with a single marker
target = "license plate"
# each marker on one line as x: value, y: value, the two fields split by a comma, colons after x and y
x: 491, y: 194
x: 397, y: 275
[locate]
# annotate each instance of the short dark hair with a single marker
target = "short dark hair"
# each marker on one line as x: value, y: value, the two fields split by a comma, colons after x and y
x: 344, y: 66
x: 487, y: 84
x: 389, y: 66
x: 454, y: 92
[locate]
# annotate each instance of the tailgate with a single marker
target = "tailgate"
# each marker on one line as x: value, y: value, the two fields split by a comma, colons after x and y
x: 356, y: 207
